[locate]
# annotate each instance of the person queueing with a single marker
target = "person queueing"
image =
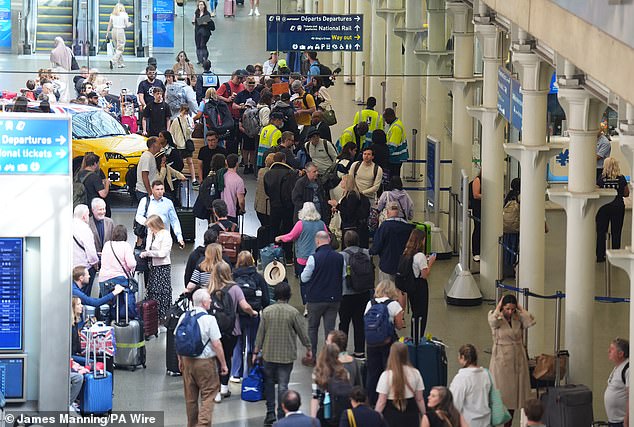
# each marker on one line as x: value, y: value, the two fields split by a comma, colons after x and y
x: 509, y: 364
x: 442, y: 411
x: 471, y: 387
x: 611, y: 214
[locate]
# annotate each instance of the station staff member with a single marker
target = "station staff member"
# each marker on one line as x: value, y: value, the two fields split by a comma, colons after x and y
x: 396, y: 141
x: 371, y: 117
x: 270, y: 136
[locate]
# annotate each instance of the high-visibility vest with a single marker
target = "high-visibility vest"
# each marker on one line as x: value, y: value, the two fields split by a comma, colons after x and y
x: 346, y: 137
x: 397, y: 142
x: 371, y: 117
x: 270, y: 136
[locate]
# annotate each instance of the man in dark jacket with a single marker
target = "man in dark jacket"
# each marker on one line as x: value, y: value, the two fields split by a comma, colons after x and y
x: 279, y: 183
x: 285, y: 107
x: 323, y: 275
x: 389, y: 242
x: 316, y: 122
x: 362, y: 414
x: 309, y: 189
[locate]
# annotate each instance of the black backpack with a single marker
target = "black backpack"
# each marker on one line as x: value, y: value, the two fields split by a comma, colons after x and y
x: 218, y: 117
x: 130, y: 181
x: 222, y: 309
x: 405, y: 280
x: 289, y: 123
x: 207, y: 193
x: 361, y: 277
x: 325, y: 73
x: 339, y: 391
x: 250, y: 289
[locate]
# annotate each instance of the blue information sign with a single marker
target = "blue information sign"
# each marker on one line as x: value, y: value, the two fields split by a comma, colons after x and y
x: 11, y: 294
x: 516, y: 104
x: 504, y: 93
x: 34, y: 144
x: 163, y: 23
x: 5, y: 23
x: 431, y: 174
x: 314, y: 32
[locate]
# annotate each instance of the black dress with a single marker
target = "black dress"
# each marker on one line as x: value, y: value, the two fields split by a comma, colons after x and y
x: 354, y: 210
x: 397, y: 418
x: 202, y: 33
x: 611, y: 214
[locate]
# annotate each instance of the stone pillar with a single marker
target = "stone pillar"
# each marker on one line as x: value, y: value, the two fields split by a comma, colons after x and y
x: 581, y: 200
x: 377, y: 62
x: 393, y: 14
x: 362, y: 59
x: 309, y: 6
x: 624, y: 258
x: 347, y: 65
x: 326, y: 6
x: 492, y: 155
x: 533, y: 154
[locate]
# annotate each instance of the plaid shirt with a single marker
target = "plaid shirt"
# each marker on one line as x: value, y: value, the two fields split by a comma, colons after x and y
x: 279, y: 327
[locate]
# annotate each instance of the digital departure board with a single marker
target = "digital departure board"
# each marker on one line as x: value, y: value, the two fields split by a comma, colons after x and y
x: 13, y: 377
x: 11, y: 291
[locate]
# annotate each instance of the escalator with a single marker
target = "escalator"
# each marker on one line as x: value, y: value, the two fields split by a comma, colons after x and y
x: 54, y: 18
x: 105, y: 8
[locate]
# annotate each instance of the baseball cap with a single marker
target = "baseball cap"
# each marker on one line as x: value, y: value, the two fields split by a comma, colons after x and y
x: 296, y: 85
x: 282, y: 63
x: 92, y: 94
x: 277, y: 116
x: 285, y: 96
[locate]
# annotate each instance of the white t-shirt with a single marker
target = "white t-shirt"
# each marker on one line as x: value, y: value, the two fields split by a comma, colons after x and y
x: 419, y: 264
x: 393, y: 308
x: 147, y: 163
x: 412, y: 377
x: 615, y: 397
x: 470, y: 389
x: 208, y: 331
x: 119, y: 21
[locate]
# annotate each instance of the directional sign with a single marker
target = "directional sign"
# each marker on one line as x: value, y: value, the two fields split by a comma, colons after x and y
x: 517, y: 101
x: 34, y: 144
x: 504, y: 93
x: 314, y: 32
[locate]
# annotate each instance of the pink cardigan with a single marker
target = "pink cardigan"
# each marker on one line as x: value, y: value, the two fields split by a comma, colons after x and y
x: 110, y: 267
x: 293, y: 235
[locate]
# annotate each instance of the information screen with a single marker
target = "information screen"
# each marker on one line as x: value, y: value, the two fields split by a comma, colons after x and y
x: 11, y: 291
x: 12, y: 377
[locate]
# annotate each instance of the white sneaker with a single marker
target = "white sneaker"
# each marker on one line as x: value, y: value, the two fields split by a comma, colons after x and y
x: 235, y: 379
x: 218, y: 398
x: 251, y: 12
x: 257, y: 12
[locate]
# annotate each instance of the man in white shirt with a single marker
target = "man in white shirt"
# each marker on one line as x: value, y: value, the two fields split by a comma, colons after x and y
x: 161, y: 206
x: 616, y: 395
x: 367, y: 174
x: 200, y: 373
x: 84, y: 251
x: 147, y: 171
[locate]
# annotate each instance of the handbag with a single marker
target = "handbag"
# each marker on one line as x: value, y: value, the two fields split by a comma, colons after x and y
x: 73, y: 63
x: 253, y: 385
x: 335, y: 224
x: 189, y: 144
x: 104, y: 45
x: 330, y: 118
x: 545, y: 367
x: 499, y: 413
x: 198, y: 131
x: 142, y: 264
x: 139, y: 229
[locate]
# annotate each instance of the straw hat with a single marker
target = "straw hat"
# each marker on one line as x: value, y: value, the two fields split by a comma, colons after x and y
x: 274, y: 273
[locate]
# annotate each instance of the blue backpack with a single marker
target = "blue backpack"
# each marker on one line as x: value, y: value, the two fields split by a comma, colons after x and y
x: 187, y: 340
x: 378, y: 328
x: 253, y: 385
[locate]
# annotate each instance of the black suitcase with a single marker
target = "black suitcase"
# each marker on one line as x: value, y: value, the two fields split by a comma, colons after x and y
x: 175, y: 312
x: 568, y: 405
x: 250, y: 243
x: 186, y: 217
x: 264, y: 236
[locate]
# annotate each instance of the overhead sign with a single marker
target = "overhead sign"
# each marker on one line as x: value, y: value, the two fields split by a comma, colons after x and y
x: 510, y: 98
x: 34, y: 144
x: 314, y: 32
x: 517, y: 100
x: 11, y: 294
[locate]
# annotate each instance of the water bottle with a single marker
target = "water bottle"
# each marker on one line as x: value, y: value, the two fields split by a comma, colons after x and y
x: 327, y: 407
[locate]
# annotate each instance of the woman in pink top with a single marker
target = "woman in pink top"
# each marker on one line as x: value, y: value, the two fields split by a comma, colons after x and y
x: 303, y: 234
x: 117, y: 259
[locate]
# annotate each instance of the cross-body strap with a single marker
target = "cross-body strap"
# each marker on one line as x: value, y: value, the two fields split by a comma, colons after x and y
x: 147, y: 205
x: 79, y: 244
x: 118, y: 260
x: 178, y: 119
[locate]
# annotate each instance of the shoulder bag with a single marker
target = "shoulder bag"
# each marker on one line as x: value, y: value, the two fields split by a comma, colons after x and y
x: 189, y: 144
x: 133, y: 285
x: 138, y: 229
x: 499, y: 413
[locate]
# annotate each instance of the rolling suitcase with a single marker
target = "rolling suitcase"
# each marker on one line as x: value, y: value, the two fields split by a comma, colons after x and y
x: 171, y: 358
x: 431, y: 362
x: 230, y: 8
x: 96, y: 393
x: 129, y: 339
x: 148, y: 311
x: 264, y: 236
x: 425, y: 228
x: 186, y: 217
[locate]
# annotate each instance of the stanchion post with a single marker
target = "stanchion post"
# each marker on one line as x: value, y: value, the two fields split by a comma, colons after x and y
x: 500, y: 259
x: 525, y: 292
x: 557, y: 337
x: 383, y: 93
x: 414, y: 169
x: 608, y: 266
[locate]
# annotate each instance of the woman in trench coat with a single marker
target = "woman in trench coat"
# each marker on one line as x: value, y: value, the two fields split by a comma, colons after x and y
x: 509, y: 364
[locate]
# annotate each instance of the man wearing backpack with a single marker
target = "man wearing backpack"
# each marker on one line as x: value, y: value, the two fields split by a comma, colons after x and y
x: 200, y: 367
x: 389, y: 241
x: 303, y: 102
x: 357, y: 289
x: 616, y: 395
x: 323, y: 275
x: 180, y: 93
x: 321, y: 152
x: 280, y: 326
x: 367, y: 174
x: 88, y: 185
x: 228, y: 92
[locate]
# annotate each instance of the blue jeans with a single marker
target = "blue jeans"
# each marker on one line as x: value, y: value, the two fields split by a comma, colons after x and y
x: 279, y: 373
x: 249, y: 326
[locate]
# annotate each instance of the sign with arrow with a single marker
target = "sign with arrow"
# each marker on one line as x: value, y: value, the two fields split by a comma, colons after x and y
x: 314, y: 32
x: 35, y: 144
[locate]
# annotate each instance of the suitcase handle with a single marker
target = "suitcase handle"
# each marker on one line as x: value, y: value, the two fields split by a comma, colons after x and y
x: 127, y: 316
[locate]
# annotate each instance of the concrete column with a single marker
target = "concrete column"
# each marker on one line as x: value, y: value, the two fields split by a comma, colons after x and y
x: 533, y: 154
x: 362, y: 59
x: 309, y: 6
x: 377, y: 62
x: 581, y: 200
x: 624, y: 258
x: 326, y: 6
x: 348, y: 68
x: 393, y: 14
x: 492, y: 155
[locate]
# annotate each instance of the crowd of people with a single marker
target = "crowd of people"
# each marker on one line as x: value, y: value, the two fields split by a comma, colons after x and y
x: 332, y: 204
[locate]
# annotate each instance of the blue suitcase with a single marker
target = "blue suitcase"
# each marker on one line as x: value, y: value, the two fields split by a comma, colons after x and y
x: 96, y: 393
x: 431, y: 361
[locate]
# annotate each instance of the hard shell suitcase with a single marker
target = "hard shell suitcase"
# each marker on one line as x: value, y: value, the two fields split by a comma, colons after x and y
x: 425, y: 228
x: 186, y: 217
x: 264, y: 236
x: 431, y: 361
x: 96, y: 392
x: 171, y: 358
x: 230, y: 8
x: 567, y: 406
x: 129, y: 339
x: 148, y: 311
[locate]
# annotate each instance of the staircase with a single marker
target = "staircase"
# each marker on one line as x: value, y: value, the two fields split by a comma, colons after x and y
x: 54, y: 18
x: 105, y: 9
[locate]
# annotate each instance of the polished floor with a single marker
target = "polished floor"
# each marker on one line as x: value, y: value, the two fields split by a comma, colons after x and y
x: 235, y: 43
